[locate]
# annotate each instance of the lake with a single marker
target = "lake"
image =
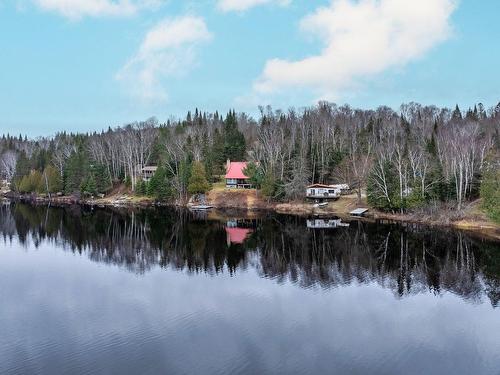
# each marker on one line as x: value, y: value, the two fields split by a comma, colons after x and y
x: 163, y: 291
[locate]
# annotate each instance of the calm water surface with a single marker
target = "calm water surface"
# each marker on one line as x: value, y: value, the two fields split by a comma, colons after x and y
x: 158, y: 291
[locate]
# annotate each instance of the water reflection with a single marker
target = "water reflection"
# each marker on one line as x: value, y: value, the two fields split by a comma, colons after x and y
x: 238, y: 231
x: 407, y: 259
x: 318, y: 223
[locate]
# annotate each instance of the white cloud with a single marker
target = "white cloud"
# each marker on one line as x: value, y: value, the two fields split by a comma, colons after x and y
x: 76, y: 9
x: 361, y: 39
x: 168, y: 50
x: 242, y: 5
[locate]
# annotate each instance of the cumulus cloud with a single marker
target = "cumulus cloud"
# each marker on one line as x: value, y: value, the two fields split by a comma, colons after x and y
x: 361, y: 39
x: 76, y: 9
x: 242, y: 5
x: 168, y: 50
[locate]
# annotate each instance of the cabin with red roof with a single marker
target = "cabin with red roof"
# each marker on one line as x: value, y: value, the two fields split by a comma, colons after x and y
x: 235, y: 177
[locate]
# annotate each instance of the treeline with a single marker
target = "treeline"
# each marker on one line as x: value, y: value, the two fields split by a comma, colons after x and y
x: 404, y: 159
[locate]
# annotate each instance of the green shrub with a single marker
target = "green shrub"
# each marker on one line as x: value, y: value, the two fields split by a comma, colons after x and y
x: 490, y: 193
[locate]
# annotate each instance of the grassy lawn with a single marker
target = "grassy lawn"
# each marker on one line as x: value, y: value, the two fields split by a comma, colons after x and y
x: 219, y: 186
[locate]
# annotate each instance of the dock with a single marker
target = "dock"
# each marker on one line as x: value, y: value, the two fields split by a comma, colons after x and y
x: 358, y: 212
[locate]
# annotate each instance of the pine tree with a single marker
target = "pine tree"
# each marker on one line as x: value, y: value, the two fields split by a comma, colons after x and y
x: 255, y: 174
x: 456, y: 114
x: 141, y: 188
x: 32, y: 183
x: 75, y: 171
x: 268, y: 186
x: 490, y: 193
x: 198, y: 183
x: 52, y: 179
x: 159, y: 186
x: 22, y: 169
x: 102, y: 178
x: 234, y: 140
x: 89, y: 186
x: 217, y: 152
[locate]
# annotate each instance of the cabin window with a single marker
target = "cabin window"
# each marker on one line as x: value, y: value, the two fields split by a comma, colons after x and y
x: 331, y: 191
x: 313, y: 191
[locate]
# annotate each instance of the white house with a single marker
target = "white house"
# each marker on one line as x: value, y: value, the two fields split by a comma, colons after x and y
x: 148, y: 172
x: 320, y: 191
x: 344, y: 188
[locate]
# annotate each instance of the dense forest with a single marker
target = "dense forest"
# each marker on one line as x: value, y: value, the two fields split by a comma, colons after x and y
x: 419, y: 156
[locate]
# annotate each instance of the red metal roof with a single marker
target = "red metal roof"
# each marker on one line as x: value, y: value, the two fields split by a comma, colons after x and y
x: 235, y: 170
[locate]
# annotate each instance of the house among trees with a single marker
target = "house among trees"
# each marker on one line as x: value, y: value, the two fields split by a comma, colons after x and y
x: 235, y: 176
x: 148, y: 172
x: 320, y: 191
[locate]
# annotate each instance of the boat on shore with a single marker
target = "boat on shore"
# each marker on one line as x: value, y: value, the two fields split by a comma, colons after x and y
x: 320, y: 205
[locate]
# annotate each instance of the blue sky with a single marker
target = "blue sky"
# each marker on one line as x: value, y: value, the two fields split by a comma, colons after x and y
x: 79, y: 65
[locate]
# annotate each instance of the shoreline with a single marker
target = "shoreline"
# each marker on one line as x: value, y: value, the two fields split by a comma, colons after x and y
x: 473, y: 225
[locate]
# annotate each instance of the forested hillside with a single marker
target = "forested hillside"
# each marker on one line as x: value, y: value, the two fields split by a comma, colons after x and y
x: 403, y: 159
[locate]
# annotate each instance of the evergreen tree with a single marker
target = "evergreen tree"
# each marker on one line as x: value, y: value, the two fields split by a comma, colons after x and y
x: 159, y: 185
x: 198, y: 183
x: 217, y: 154
x: 102, y: 178
x: 456, y: 114
x: 141, y: 188
x: 32, y: 183
x: 234, y: 140
x: 128, y: 182
x: 52, y: 179
x: 22, y: 169
x: 89, y: 186
x: 269, y: 188
x: 490, y: 193
x: 75, y: 171
x: 255, y: 174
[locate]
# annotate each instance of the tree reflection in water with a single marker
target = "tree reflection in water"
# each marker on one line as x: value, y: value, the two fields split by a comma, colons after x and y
x: 406, y: 259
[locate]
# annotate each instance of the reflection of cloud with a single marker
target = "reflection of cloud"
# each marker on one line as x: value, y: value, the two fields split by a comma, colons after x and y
x: 169, y: 49
x: 361, y: 39
x: 83, y: 314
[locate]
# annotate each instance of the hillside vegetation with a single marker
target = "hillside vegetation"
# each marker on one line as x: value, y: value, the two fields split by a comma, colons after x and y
x: 406, y: 160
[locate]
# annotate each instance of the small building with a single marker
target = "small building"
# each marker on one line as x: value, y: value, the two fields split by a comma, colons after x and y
x: 148, y: 172
x: 235, y: 177
x: 344, y: 188
x: 359, y: 212
x: 320, y: 191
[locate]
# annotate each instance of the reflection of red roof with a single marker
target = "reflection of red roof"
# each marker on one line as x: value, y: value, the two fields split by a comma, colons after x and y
x: 235, y: 170
x: 237, y: 235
